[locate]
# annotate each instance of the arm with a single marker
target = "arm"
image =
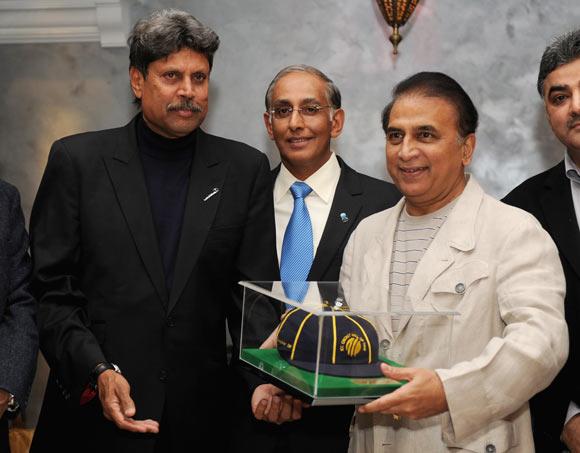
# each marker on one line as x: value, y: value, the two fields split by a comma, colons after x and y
x: 533, y: 346
x: 67, y: 343
x: 256, y: 261
x: 18, y: 331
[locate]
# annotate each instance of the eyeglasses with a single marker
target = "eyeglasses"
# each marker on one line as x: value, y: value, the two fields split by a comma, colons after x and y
x: 308, y: 111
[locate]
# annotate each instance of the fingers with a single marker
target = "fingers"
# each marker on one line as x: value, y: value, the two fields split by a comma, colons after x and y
x: 297, y: 409
x: 398, y: 374
x: 114, y: 394
x: 270, y: 404
x: 385, y: 404
x: 260, y: 409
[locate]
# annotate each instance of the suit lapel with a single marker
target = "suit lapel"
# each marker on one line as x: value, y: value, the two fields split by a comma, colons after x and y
x: 558, y: 208
x: 208, y: 174
x: 346, y: 205
x: 126, y: 173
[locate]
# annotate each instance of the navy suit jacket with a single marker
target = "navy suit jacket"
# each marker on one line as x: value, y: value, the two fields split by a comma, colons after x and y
x: 548, y: 197
x: 18, y: 332
x: 325, y: 428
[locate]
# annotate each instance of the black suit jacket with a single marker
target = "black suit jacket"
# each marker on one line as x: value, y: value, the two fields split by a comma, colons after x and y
x: 549, y: 198
x: 18, y: 332
x: 327, y: 428
x: 99, y: 280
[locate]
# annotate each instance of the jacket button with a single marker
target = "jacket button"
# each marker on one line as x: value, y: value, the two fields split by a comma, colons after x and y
x: 490, y: 448
x: 460, y: 289
x: 170, y: 322
x: 385, y: 344
x: 163, y: 375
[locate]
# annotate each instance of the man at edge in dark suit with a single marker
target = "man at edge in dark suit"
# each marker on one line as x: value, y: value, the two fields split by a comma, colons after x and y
x: 18, y: 332
x: 554, y: 198
x: 139, y: 236
x: 303, y: 114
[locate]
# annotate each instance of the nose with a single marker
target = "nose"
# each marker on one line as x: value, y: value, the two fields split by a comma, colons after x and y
x: 185, y: 88
x: 407, y: 149
x: 296, y: 121
x: 575, y: 105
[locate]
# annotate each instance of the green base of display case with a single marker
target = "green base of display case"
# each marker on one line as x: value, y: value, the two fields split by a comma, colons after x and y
x: 330, y: 390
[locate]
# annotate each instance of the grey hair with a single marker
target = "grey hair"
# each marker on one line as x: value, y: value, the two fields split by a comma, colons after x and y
x: 563, y: 50
x: 332, y: 91
x: 165, y: 32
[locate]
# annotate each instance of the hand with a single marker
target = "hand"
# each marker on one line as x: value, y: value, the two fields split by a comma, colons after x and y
x: 118, y: 405
x: 4, y: 399
x: 423, y: 396
x: 571, y: 434
x: 270, y: 342
x: 271, y: 404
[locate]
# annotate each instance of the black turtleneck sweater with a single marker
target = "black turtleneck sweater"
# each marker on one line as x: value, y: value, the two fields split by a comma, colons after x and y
x: 167, y: 166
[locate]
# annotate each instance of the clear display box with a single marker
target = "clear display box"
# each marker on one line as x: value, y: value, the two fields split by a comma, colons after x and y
x: 306, y: 338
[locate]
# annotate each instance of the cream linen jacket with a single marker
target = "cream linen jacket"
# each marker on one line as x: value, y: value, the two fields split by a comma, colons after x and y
x: 497, y: 267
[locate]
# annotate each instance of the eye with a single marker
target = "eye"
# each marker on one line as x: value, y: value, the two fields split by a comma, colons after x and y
x: 199, y: 77
x: 395, y: 137
x: 425, y: 135
x: 282, y: 112
x: 310, y: 110
x: 171, y: 75
x: 558, y: 99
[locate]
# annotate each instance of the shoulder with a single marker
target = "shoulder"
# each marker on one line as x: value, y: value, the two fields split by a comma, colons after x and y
x: 381, y: 193
x: 7, y: 190
x: 96, y: 137
x: 375, y: 224
x: 506, y: 218
x: 528, y: 190
x: 378, y: 187
x: 231, y: 149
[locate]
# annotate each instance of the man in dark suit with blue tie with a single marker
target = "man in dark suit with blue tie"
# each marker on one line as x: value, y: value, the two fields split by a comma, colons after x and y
x: 18, y: 332
x: 318, y: 202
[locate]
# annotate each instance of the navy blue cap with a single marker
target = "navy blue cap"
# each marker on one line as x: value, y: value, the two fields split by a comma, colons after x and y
x: 348, y: 347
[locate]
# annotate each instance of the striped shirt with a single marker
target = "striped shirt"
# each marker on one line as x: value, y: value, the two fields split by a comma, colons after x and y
x: 413, y: 236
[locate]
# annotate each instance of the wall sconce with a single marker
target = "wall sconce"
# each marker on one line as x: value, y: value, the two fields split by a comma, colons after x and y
x: 396, y: 13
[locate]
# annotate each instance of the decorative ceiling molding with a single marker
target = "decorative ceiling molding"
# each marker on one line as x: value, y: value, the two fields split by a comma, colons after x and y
x: 46, y: 21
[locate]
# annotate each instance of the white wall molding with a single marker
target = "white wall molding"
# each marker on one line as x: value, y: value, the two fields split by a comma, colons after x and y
x: 46, y: 21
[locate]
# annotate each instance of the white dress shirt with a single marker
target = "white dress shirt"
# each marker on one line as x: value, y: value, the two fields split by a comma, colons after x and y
x: 318, y: 202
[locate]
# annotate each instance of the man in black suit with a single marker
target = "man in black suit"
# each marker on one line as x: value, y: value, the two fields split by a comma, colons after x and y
x: 139, y: 236
x: 18, y: 332
x: 303, y: 114
x: 554, y: 198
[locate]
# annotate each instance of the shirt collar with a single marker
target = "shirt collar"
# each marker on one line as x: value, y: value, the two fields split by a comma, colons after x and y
x: 572, y: 170
x: 322, y: 181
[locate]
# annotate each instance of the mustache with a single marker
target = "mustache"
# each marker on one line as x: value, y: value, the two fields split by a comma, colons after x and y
x: 185, y: 105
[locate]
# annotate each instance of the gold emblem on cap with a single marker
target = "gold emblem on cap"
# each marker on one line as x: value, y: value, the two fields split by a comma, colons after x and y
x: 352, y: 344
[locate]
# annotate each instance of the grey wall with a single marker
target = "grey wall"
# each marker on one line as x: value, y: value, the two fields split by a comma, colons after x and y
x: 492, y: 47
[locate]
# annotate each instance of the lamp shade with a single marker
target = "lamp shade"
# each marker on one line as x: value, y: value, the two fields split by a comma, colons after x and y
x: 396, y: 14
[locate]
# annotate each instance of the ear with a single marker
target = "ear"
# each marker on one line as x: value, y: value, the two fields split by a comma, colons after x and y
x: 468, y: 149
x: 137, y: 81
x: 337, y: 123
x: 268, y: 124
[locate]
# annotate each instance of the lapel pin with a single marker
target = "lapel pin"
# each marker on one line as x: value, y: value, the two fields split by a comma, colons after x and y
x: 343, y: 217
x: 211, y: 194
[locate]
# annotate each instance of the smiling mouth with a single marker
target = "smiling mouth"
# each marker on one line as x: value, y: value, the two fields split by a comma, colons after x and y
x: 298, y: 142
x: 411, y: 171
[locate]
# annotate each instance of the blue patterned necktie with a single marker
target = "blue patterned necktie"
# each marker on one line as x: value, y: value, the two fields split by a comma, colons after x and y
x: 297, y: 248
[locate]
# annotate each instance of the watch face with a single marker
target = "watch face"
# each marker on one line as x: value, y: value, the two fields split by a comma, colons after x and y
x: 12, y: 404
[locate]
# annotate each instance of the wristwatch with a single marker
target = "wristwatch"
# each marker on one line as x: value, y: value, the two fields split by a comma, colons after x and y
x: 100, y: 368
x: 13, y: 405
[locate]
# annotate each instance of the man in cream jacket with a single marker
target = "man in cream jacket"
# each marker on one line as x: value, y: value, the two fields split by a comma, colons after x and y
x: 447, y: 246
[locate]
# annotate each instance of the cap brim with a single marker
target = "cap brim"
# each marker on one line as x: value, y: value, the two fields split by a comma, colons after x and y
x: 342, y: 370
